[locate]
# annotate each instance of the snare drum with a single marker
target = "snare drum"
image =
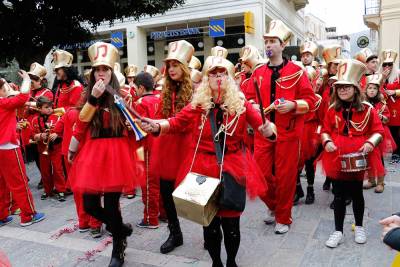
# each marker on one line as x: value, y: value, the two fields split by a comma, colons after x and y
x: 353, y: 162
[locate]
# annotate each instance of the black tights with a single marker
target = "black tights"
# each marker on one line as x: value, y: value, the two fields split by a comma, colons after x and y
x: 348, y: 190
x: 110, y: 214
x: 166, y: 189
x: 213, y: 238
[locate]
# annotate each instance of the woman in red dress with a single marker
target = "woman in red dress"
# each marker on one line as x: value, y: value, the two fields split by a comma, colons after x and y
x: 391, y: 86
x: 350, y: 126
x: 376, y: 172
x: 219, y: 95
x: 104, y: 140
x: 170, y: 150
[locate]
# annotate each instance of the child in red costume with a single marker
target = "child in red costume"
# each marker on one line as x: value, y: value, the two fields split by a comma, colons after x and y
x: 12, y: 168
x: 376, y: 172
x: 351, y: 130
x: 49, y: 148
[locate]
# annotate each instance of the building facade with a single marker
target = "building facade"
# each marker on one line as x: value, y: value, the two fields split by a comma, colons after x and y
x: 383, y: 16
x: 315, y: 28
x: 145, y: 41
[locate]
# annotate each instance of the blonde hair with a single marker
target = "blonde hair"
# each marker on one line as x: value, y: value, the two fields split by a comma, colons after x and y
x: 394, y: 73
x: 233, y: 103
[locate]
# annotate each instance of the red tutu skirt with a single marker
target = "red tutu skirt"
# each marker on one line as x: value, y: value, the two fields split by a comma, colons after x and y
x: 168, y: 153
x: 105, y: 165
x: 331, y: 161
x: 375, y: 164
x: 388, y: 145
x: 310, y: 141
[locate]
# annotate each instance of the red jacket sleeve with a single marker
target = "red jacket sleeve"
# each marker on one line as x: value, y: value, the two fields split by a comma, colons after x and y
x: 183, y: 119
x: 253, y: 116
x: 59, y: 128
x: 75, y: 96
x: 14, y: 102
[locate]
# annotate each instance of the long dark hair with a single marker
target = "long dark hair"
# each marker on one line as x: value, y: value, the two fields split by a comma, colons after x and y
x: 357, y: 101
x: 106, y: 101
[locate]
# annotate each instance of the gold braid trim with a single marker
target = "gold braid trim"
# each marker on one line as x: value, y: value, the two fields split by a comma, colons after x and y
x: 360, y: 126
x: 317, y: 104
x: 296, y: 75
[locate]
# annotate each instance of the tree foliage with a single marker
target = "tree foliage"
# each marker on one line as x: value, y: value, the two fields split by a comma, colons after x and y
x: 30, y: 28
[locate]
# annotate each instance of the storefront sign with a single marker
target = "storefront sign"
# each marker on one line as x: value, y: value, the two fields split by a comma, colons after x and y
x: 174, y: 33
x: 216, y: 28
x: 117, y: 39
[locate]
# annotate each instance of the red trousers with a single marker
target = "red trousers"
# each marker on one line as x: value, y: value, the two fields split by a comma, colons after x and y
x: 51, y: 169
x: 13, y: 176
x: 150, y: 194
x: 278, y: 162
x: 85, y: 220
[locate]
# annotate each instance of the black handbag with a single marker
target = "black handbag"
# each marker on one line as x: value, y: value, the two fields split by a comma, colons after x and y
x: 232, y: 194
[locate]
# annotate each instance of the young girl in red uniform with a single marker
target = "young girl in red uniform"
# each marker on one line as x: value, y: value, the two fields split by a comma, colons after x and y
x: 12, y: 169
x: 391, y: 86
x: 219, y: 95
x: 170, y: 150
x: 97, y: 168
x: 376, y: 172
x: 64, y: 128
x: 350, y: 126
x: 49, y: 148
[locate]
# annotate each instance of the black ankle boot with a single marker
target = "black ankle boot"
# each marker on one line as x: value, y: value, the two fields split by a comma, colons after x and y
x: 175, y: 238
x: 299, y: 194
x: 230, y: 263
x: 310, y: 198
x: 327, y: 184
x: 118, y: 252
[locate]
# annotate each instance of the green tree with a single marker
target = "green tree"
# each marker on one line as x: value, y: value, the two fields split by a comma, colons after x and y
x: 30, y: 28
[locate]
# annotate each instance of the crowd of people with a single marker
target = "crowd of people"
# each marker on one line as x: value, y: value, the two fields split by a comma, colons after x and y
x: 254, y: 125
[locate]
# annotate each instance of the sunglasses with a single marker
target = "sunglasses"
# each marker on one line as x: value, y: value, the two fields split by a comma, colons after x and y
x: 387, y: 64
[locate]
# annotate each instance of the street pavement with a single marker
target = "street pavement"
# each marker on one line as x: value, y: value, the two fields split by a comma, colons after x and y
x: 37, y: 244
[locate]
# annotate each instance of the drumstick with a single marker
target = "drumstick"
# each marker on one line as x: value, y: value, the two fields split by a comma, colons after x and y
x: 259, y: 100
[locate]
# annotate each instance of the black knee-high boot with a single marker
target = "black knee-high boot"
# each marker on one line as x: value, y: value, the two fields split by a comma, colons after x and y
x: 231, y: 228
x: 212, y: 239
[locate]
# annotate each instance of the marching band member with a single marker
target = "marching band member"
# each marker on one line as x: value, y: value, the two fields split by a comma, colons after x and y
x: 286, y: 84
x: 97, y: 168
x: 310, y: 142
x: 64, y: 128
x: 350, y: 126
x: 370, y: 60
x: 69, y: 88
x: 374, y: 96
x: 147, y: 106
x: 12, y: 167
x: 170, y: 150
x: 195, y: 73
x: 130, y: 73
x: 49, y: 148
x: 332, y: 55
x: 391, y: 87
x: 308, y: 52
x: 218, y: 96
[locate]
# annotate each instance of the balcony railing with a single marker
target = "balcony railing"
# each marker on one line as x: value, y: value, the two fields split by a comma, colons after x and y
x: 372, y: 7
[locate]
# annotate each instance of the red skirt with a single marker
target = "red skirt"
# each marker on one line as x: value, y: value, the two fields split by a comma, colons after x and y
x: 331, y: 160
x: 388, y: 145
x: 168, y: 153
x: 105, y: 165
x: 376, y: 168
x: 309, y: 142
